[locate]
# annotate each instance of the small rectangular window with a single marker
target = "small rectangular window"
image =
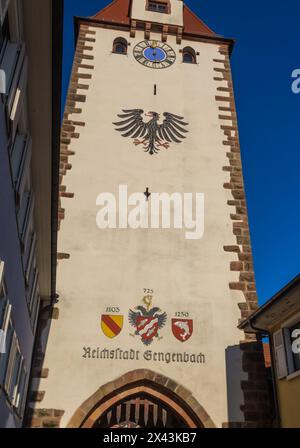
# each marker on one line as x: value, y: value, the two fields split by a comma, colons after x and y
x: 12, y: 368
x: 25, y: 217
x: 13, y: 81
x: 4, y: 357
x: 35, y: 310
x: 5, y: 311
x: 21, y: 393
x: 157, y: 6
x: 14, y: 378
x: 20, y: 158
x: 29, y: 257
x: 33, y: 293
x: 11, y: 359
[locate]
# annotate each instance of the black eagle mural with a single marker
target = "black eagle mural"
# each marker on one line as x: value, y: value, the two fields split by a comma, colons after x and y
x: 152, y: 135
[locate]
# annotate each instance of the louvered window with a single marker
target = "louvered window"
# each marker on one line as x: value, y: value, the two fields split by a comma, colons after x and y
x: 280, y: 356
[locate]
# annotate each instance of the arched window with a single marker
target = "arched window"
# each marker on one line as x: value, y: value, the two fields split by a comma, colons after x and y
x: 189, y: 56
x: 120, y: 45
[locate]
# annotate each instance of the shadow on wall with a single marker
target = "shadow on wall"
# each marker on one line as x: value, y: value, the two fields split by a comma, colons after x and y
x: 250, y: 402
x: 51, y: 417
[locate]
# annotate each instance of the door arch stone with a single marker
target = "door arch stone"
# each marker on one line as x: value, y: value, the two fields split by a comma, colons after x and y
x: 145, y: 383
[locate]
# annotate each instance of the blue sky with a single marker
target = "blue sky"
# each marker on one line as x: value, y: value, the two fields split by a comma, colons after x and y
x: 267, y: 48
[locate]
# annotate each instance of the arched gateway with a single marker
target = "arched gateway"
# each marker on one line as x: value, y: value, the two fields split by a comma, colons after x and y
x: 141, y: 398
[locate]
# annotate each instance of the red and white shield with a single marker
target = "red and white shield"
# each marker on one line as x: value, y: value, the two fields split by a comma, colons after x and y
x: 182, y: 329
x: 147, y: 327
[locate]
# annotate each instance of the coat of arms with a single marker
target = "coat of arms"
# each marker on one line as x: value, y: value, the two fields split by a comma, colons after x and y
x: 151, y: 134
x: 111, y: 324
x: 182, y: 329
x: 147, y: 321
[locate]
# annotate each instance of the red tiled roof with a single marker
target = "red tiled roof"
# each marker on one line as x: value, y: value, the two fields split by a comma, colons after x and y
x: 119, y: 12
x: 194, y: 25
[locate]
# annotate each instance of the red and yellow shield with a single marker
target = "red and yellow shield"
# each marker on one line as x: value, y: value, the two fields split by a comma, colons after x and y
x: 111, y: 324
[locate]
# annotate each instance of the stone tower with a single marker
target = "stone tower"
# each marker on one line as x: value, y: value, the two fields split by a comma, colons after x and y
x: 145, y: 329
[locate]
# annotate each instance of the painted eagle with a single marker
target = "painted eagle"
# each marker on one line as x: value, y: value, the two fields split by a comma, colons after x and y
x: 147, y: 323
x: 151, y: 134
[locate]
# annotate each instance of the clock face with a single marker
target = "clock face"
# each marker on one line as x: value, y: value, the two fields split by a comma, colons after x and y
x: 154, y: 54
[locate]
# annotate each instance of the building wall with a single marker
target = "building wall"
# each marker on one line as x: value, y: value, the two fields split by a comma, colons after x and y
x: 112, y: 267
x: 14, y: 277
x: 288, y: 390
x: 12, y: 253
x: 288, y: 395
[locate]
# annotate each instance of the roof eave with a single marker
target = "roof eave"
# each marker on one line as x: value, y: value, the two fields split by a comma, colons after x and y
x: 194, y: 36
x: 252, y: 325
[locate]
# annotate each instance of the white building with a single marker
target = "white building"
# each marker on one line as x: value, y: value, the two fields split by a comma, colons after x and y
x: 29, y: 138
x: 145, y: 331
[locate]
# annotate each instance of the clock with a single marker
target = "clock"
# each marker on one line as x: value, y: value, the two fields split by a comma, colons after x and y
x: 154, y: 54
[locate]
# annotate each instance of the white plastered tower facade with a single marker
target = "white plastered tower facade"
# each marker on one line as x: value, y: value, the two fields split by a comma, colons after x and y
x: 95, y: 353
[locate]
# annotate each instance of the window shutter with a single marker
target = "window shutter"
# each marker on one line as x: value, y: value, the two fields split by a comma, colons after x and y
x: 280, y: 356
x: 289, y: 353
